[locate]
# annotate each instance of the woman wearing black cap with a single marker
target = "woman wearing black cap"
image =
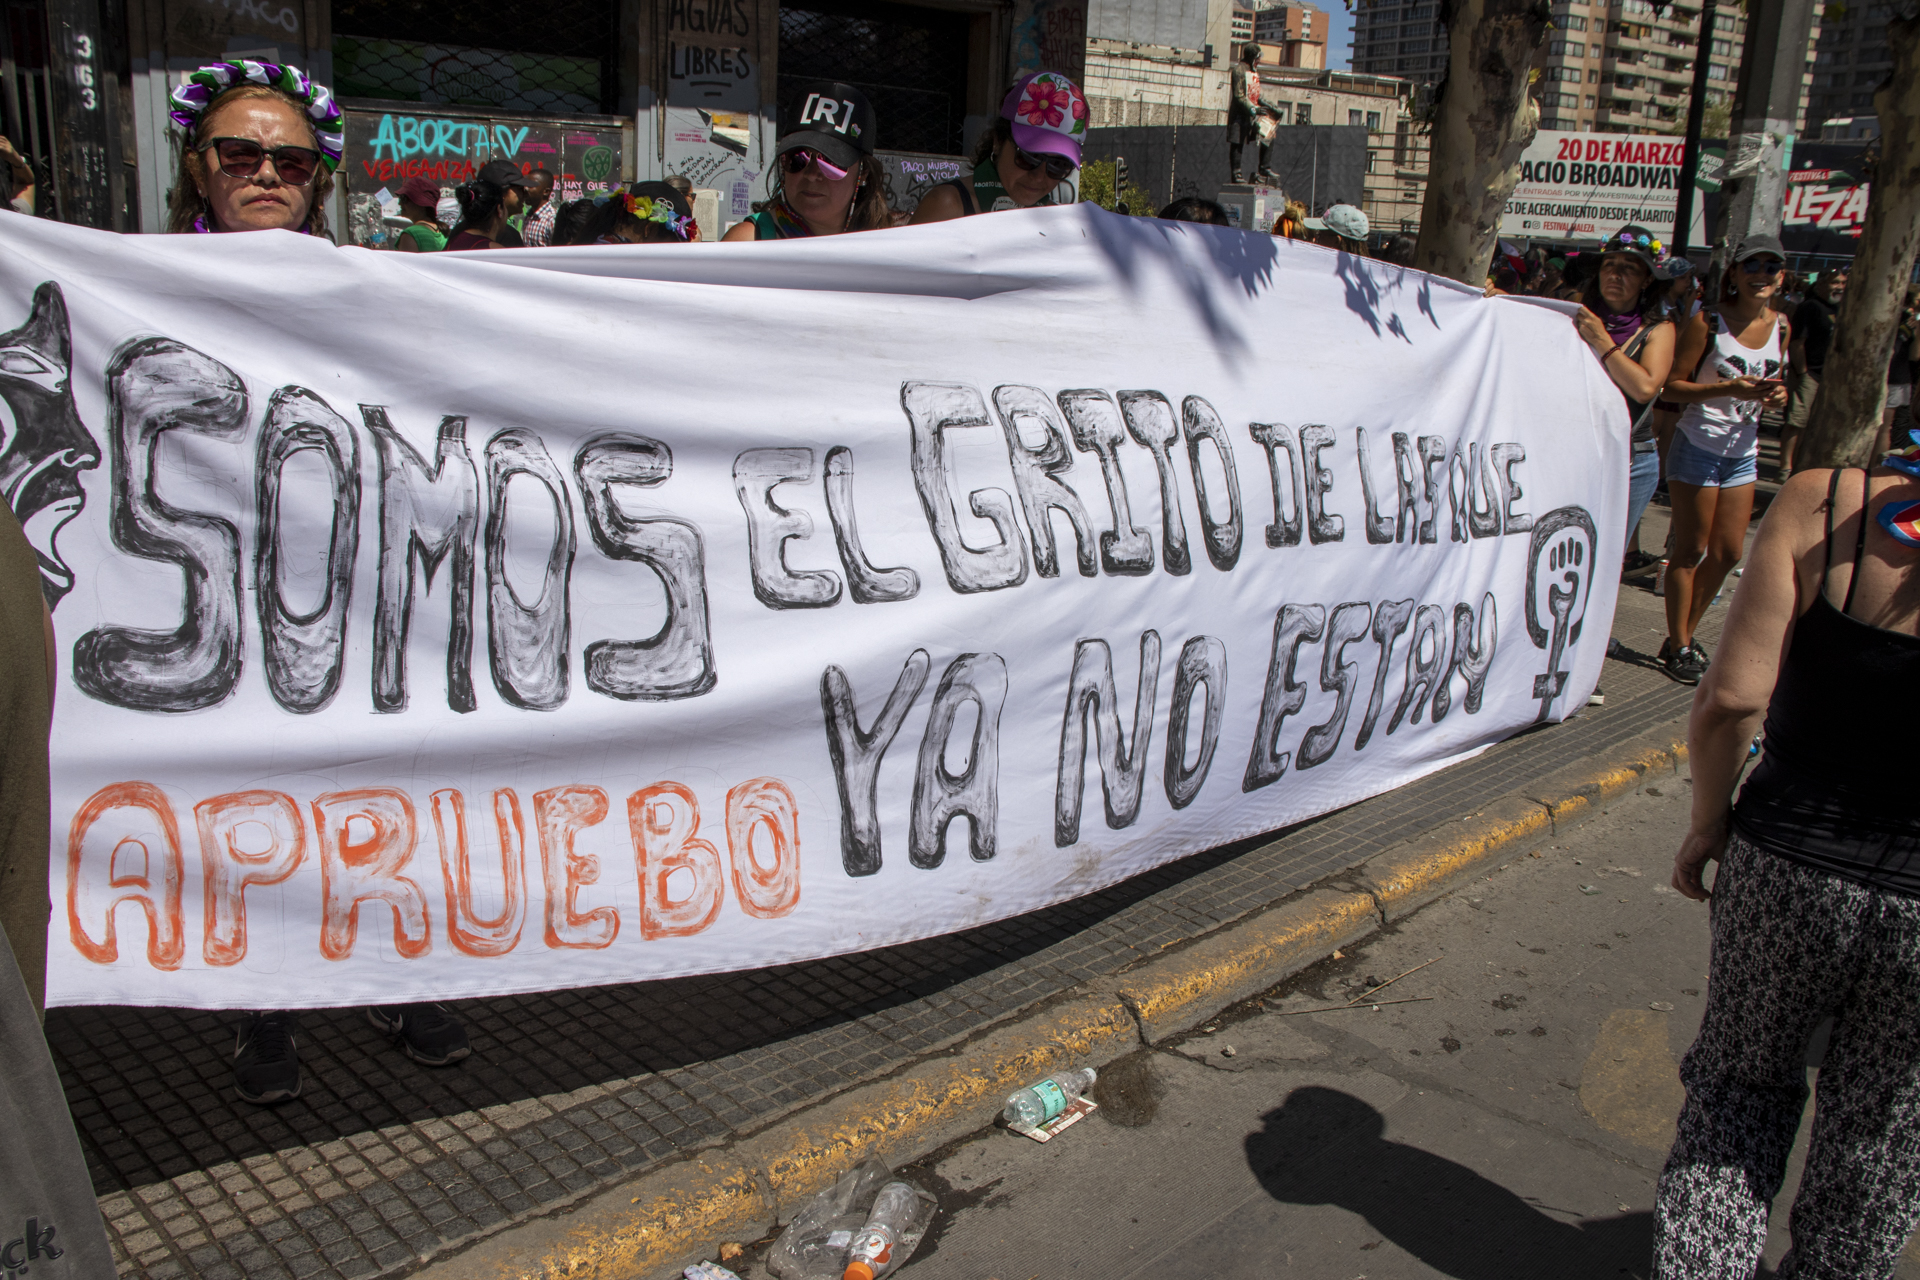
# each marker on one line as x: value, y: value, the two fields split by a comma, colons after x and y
x: 487, y: 200
x: 1033, y: 147
x: 826, y: 180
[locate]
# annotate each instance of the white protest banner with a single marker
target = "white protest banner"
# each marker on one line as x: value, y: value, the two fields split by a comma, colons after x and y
x: 437, y: 626
x: 1586, y: 186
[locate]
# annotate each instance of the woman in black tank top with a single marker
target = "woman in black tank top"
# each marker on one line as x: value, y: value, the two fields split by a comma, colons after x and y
x: 1816, y: 909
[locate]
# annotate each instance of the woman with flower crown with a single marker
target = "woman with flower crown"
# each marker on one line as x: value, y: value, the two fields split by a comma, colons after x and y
x: 261, y: 144
x: 1033, y: 147
x: 646, y: 213
x: 1816, y: 907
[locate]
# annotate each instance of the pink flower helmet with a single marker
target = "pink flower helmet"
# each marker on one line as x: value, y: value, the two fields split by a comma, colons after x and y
x: 1048, y: 113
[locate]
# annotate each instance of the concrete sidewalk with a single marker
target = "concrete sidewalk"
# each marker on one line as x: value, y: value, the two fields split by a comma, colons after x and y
x: 716, y: 1099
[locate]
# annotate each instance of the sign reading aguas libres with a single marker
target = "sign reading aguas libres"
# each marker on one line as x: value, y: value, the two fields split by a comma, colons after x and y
x: 1584, y: 186
x: 594, y: 615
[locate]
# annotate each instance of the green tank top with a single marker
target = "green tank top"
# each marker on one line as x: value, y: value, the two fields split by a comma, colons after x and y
x: 989, y: 195
x: 425, y: 238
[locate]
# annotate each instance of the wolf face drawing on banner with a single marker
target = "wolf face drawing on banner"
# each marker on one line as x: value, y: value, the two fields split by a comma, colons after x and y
x: 43, y: 444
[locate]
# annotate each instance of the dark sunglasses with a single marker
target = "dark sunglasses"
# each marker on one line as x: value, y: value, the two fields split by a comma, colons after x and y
x: 241, y: 158
x: 1058, y: 167
x: 797, y: 160
x: 1763, y: 266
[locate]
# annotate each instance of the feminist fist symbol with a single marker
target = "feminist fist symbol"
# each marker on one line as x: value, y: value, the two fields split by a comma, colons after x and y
x: 1560, y: 558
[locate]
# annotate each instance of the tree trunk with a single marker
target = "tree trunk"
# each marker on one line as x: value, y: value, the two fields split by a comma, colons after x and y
x: 1853, y: 387
x: 1483, y: 120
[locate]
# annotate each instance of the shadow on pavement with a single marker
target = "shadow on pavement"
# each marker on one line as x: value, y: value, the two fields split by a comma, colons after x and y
x: 1323, y: 1146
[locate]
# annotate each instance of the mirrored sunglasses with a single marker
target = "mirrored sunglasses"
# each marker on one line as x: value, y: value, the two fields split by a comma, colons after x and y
x: 1058, y: 167
x: 241, y: 158
x: 797, y: 160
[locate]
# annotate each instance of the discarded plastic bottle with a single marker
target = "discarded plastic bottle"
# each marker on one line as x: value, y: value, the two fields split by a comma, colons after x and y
x: 1038, y: 1103
x: 814, y: 1245
x: 894, y: 1229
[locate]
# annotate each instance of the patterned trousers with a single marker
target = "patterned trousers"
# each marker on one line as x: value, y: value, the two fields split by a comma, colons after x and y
x: 1791, y: 946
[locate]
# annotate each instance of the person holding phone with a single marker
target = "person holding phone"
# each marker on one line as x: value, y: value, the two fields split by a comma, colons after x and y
x: 1033, y: 147
x: 1732, y: 354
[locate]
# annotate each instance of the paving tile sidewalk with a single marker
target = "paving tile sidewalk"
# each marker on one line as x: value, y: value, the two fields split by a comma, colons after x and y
x: 381, y: 1164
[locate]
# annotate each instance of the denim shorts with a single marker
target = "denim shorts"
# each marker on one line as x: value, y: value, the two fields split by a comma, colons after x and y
x: 1690, y: 464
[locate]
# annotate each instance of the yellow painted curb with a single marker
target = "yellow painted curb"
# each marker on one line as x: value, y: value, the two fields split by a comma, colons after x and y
x: 664, y: 1219
x: 1408, y: 878
x: 1174, y: 991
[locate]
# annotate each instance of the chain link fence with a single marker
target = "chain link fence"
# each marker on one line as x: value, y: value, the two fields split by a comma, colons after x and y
x: 910, y: 62
x: 451, y: 51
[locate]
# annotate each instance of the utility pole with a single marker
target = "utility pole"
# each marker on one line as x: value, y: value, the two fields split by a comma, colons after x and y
x: 1764, y: 109
x: 1696, y: 112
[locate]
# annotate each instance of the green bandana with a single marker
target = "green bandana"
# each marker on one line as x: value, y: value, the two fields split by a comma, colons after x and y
x: 990, y: 195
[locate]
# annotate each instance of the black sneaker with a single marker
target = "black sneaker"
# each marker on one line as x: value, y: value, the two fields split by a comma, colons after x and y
x: 1638, y: 564
x: 427, y: 1033
x: 266, y: 1057
x: 1686, y: 665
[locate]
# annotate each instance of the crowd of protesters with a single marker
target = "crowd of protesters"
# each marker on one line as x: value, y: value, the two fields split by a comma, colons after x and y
x: 262, y: 144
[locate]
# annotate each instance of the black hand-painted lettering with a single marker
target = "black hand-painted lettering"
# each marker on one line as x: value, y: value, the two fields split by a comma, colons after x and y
x: 1338, y: 676
x: 1433, y: 453
x: 1151, y: 423
x: 676, y: 661
x: 1470, y: 660
x: 933, y: 409
x: 857, y: 754
x: 1426, y: 664
x: 1406, y: 475
x: 1389, y: 624
x: 1506, y: 456
x: 1202, y: 665
x: 156, y: 385
x: 1322, y: 525
x: 940, y: 796
x: 865, y: 583
x: 1276, y: 439
x: 1293, y: 626
x: 1223, y: 538
x: 1483, y: 495
x: 1036, y: 477
x: 304, y: 654
x: 427, y: 518
x: 1098, y: 429
x: 1379, y: 526
x: 771, y: 526
x: 527, y: 643
x: 1459, y: 492
x: 1123, y: 757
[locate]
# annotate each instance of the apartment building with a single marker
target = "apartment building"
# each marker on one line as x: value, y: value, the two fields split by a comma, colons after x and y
x: 1294, y: 35
x: 1163, y: 64
x: 1400, y: 39
x: 1851, y: 59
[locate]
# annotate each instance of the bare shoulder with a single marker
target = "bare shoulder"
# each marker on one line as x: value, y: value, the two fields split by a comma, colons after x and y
x: 1799, y: 510
x: 740, y: 231
x: 941, y: 204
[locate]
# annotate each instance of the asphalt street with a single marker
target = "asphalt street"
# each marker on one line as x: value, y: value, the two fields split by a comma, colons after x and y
x: 1508, y: 1121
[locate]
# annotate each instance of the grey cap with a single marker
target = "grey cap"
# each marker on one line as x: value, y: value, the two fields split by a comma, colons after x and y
x: 1671, y: 269
x: 1347, y: 221
x: 1754, y: 246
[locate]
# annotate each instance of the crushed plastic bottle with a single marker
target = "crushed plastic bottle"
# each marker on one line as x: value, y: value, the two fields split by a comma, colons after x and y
x: 1038, y: 1103
x: 814, y: 1246
x: 900, y: 1217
